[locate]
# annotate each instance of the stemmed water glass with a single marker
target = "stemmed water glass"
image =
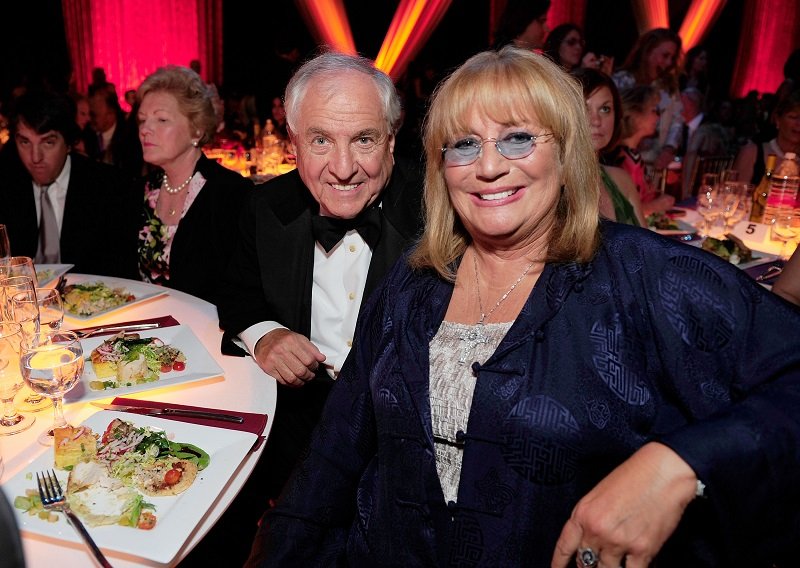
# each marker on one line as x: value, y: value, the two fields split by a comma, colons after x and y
x: 52, y: 363
x: 18, y: 266
x: 46, y: 302
x: 709, y: 206
x: 11, y: 380
x: 786, y: 228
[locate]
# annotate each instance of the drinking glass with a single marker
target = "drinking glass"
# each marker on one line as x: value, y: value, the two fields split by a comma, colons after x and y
x: 11, y: 380
x: 51, y: 308
x: 729, y: 175
x: 24, y: 310
x: 18, y: 266
x: 11, y: 285
x: 785, y: 229
x: 51, y: 364
x: 710, y: 207
x: 5, y: 247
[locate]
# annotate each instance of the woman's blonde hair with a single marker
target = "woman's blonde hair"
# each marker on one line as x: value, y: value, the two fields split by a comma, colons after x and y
x: 511, y: 86
x: 192, y: 94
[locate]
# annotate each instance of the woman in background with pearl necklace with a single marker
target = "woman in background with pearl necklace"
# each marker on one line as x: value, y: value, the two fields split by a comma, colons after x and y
x: 191, y: 203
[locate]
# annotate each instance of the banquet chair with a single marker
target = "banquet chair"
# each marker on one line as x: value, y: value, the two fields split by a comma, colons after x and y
x: 705, y: 165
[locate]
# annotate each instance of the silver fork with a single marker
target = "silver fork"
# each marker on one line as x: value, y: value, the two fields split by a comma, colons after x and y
x: 52, y: 497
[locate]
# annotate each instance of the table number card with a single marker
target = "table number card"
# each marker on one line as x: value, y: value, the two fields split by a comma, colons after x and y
x: 747, y: 230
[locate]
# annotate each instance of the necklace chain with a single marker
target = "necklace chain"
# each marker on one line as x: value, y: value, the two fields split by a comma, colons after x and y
x: 173, y: 190
x: 485, y: 316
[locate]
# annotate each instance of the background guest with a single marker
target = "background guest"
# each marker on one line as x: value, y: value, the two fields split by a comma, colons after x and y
x: 116, y: 142
x: 61, y: 207
x: 619, y: 199
x: 750, y: 161
x: 192, y: 204
x: 524, y: 386
x: 294, y: 293
x: 704, y: 135
x: 565, y: 45
x: 523, y: 23
x: 639, y: 120
x: 653, y: 61
x: 695, y: 70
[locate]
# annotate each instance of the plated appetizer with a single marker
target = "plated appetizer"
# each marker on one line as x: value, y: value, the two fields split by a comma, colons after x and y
x: 126, y: 359
x: 731, y: 248
x: 110, y: 475
x: 94, y: 297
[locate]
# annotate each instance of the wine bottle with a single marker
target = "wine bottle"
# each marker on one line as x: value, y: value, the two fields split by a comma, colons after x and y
x: 761, y: 192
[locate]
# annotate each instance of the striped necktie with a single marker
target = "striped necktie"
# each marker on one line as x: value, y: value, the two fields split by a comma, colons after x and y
x: 48, y: 252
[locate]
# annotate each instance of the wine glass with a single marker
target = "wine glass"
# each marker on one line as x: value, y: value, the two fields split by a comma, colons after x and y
x: 709, y: 206
x: 51, y: 308
x: 18, y: 266
x: 11, y: 381
x: 785, y: 229
x: 24, y: 310
x: 29, y: 401
x: 51, y: 364
x: 5, y: 246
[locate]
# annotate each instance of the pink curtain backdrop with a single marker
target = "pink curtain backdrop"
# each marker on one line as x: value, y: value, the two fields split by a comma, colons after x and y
x: 770, y: 32
x: 567, y: 12
x: 132, y: 38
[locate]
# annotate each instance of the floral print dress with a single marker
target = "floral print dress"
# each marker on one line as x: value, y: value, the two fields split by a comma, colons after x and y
x: 155, y: 238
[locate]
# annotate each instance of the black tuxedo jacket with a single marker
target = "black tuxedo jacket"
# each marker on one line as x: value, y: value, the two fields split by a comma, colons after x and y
x: 102, y: 216
x: 271, y: 276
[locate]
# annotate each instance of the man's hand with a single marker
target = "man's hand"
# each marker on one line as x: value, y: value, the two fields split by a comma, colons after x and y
x: 629, y: 515
x: 288, y: 357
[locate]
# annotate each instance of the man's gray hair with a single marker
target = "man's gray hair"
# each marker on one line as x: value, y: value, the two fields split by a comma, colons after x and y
x: 333, y: 64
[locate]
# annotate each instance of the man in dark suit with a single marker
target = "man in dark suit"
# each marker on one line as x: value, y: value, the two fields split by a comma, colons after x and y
x: 90, y: 210
x: 117, y: 139
x: 294, y: 296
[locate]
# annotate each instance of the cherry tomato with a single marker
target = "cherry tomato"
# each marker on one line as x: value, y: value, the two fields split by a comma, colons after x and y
x: 107, y: 434
x: 166, y: 368
x: 147, y: 521
x: 172, y: 477
x: 130, y: 298
x: 179, y: 365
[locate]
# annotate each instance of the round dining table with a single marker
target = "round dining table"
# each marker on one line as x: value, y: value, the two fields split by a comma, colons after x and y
x: 241, y: 387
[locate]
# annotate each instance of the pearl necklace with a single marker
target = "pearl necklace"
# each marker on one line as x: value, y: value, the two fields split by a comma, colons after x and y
x: 173, y: 190
x: 474, y: 336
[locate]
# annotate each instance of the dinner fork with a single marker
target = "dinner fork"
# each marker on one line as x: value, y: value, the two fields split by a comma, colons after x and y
x: 52, y: 497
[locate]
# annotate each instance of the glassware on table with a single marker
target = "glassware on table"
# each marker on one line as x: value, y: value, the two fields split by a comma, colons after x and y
x: 709, y: 206
x: 24, y: 310
x: 11, y: 380
x: 5, y: 246
x: 740, y: 209
x: 52, y: 363
x: 27, y: 401
x: 786, y: 229
x: 728, y: 175
x: 18, y: 266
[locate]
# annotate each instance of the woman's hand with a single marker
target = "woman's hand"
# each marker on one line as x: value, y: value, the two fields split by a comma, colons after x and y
x: 630, y: 514
x: 289, y: 357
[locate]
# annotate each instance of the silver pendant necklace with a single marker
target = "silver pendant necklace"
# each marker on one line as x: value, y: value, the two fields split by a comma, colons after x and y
x: 475, y: 336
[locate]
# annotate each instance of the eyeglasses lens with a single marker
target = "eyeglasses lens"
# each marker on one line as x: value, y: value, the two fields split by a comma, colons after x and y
x: 467, y: 150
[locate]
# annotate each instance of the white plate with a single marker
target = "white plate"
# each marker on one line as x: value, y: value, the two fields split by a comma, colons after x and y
x: 758, y: 258
x: 684, y: 228
x: 47, y: 273
x: 177, y: 516
x: 199, y: 365
x: 141, y: 291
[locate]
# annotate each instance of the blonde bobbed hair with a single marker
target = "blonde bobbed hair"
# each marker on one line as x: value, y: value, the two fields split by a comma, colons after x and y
x: 511, y: 86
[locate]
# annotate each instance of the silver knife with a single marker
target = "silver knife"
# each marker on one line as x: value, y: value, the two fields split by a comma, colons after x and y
x: 147, y: 411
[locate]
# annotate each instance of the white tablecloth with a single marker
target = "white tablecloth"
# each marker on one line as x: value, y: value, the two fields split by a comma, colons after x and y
x: 244, y: 387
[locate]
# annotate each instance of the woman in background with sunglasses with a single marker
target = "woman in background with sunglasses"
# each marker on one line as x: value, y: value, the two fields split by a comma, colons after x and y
x: 529, y: 369
x: 566, y: 46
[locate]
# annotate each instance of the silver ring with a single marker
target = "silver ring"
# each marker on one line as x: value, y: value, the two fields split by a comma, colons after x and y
x: 588, y: 557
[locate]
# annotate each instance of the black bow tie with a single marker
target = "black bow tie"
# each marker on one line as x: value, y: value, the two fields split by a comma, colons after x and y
x: 328, y: 231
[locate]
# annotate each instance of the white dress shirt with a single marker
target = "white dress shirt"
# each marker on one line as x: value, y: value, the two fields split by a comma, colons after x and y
x: 336, y: 294
x: 57, y: 192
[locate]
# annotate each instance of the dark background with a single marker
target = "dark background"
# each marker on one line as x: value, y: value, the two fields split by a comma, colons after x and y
x: 35, y: 44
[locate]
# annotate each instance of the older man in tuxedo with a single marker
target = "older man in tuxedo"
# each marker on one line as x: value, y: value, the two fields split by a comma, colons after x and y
x: 317, y: 240
x: 61, y: 207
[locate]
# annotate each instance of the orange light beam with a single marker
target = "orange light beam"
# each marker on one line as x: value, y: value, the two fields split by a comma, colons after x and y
x: 650, y: 14
x: 412, y: 25
x: 699, y: 18
x: 327, y: 22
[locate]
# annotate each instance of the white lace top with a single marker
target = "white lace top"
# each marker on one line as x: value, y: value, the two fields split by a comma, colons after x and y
x: 451, y: 388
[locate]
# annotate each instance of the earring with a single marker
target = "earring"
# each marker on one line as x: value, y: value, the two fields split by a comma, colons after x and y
x: 194, y: 143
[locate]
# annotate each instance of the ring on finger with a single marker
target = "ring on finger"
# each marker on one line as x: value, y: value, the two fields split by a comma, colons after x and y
x: 588, y: 557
